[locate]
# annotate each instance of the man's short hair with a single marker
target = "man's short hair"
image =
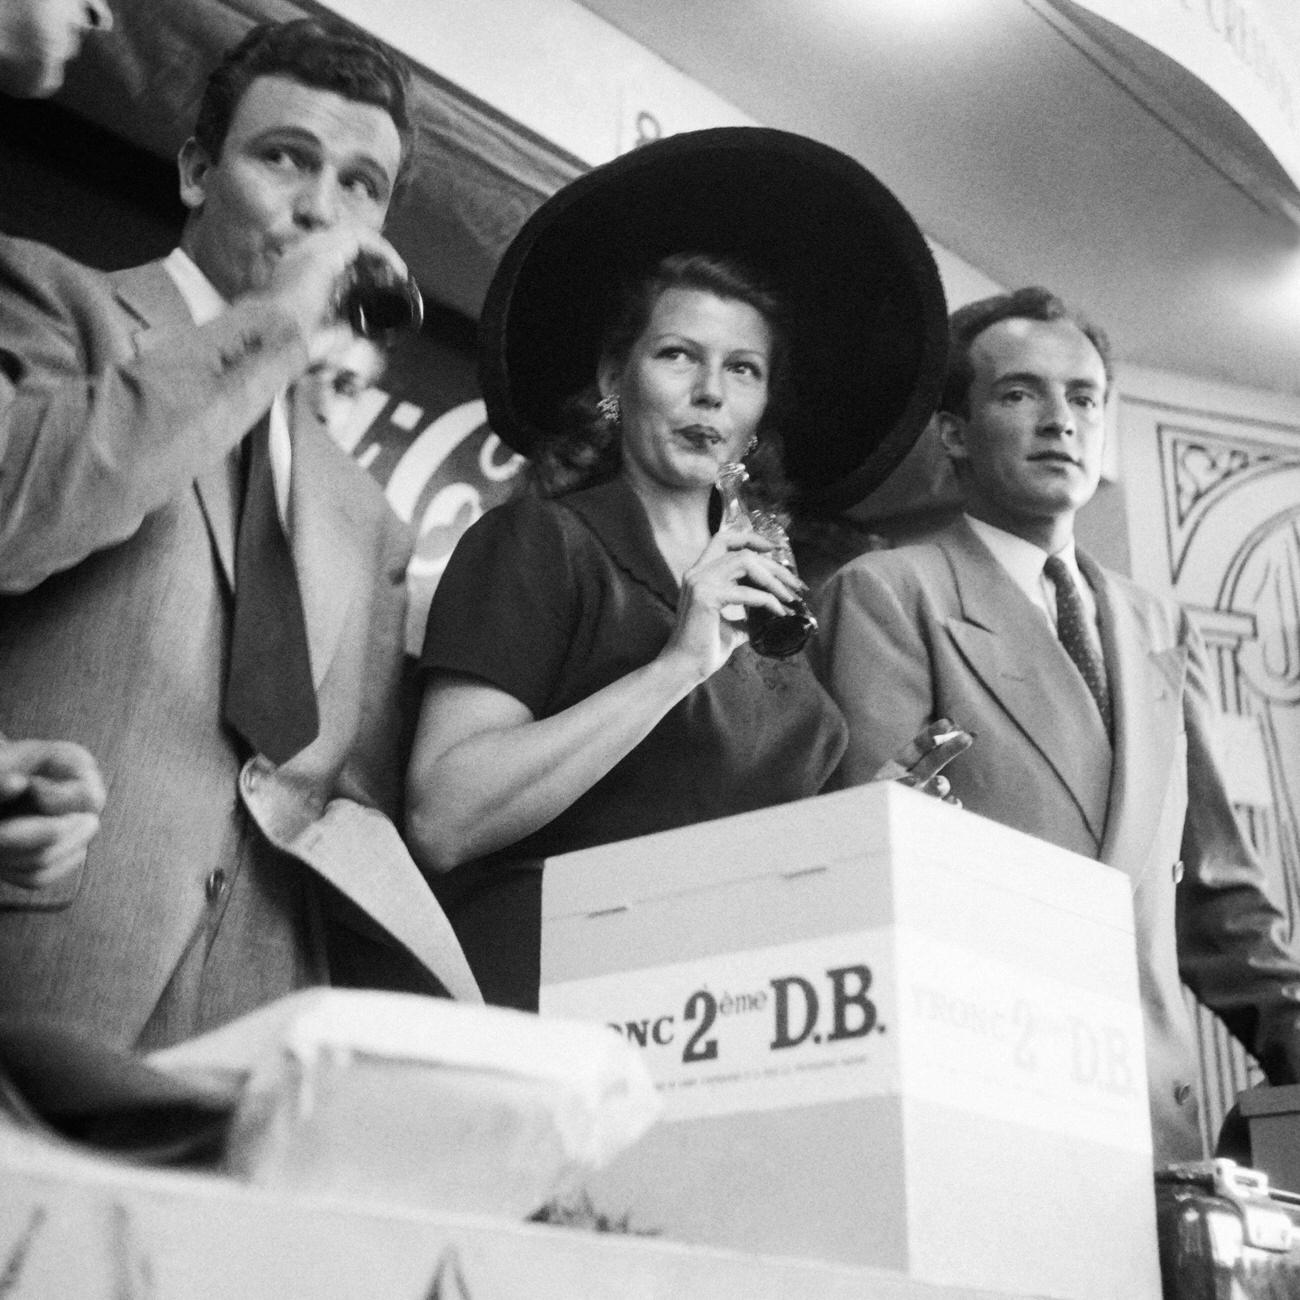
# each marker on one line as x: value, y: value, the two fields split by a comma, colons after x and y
x: 324, y: 53
x: 967, y: 323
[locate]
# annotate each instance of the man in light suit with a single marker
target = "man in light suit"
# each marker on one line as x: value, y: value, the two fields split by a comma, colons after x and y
x: 246, y: 846
x: 1090, y: 702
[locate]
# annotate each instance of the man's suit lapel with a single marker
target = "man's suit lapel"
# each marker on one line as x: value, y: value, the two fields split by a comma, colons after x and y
x: 1011, y: 648
x: 330, y: 546
x: 328, y: 539
x: 1146, y: 687
x: 151, y: 297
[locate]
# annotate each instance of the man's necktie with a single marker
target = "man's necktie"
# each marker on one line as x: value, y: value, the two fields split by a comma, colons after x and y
x: 270, y: 699
x: 1072, y: 629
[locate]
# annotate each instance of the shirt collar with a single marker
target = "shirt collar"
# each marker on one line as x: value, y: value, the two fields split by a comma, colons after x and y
x: 204, y: 302
x: 205, y: 305
x: 1023, y: 562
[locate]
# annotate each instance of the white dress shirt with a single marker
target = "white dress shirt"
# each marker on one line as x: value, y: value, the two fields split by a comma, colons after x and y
x: 205, y: 305
x: 1023, y: 562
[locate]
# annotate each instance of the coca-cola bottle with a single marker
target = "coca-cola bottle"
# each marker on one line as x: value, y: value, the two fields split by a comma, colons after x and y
x: 778, y: 636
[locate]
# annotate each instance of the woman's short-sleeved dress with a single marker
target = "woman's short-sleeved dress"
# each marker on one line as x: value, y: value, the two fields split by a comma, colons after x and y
x: 552, y: 600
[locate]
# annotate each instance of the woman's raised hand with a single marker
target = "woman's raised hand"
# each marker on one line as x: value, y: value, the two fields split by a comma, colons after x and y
x: 733, y: 573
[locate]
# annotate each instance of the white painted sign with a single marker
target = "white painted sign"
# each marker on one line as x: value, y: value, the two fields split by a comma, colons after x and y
x: 792, y: 1025
x: 876, y: 1013
x: 996, y: 1040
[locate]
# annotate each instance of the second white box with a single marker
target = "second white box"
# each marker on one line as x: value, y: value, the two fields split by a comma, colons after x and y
x: 886, y: 1031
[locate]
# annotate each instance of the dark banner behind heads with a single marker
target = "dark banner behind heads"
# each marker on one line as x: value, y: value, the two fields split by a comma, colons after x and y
x: 422, y: 432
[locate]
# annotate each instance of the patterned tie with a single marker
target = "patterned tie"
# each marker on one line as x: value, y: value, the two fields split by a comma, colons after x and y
x: 1072, y: 629
x: 270, y: 699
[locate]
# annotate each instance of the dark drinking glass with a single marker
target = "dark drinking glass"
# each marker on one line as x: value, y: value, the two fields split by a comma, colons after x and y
x: 377, y: 300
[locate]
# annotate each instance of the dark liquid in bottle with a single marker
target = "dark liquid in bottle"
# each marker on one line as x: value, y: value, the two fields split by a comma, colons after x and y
x: 377, y: 300
x: 778, y: 636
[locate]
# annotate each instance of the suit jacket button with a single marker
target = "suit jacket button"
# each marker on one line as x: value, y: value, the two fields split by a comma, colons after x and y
x: 1178, y: 871
x: 1182, y: 1093
x: 214, y: 884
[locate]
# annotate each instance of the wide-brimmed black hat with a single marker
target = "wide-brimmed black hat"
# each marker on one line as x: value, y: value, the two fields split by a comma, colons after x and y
x: 868, y: 322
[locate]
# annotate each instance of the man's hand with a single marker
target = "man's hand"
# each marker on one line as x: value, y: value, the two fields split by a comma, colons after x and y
x: 51, y: 795
x: 309, y: 275
x: 921, y: 760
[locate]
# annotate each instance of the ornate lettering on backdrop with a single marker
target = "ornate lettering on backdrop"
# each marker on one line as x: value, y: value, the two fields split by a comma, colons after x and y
x: 1228, y: 45
x: 423, y: 434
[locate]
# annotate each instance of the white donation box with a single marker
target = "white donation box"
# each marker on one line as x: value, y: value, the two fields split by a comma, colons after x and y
x: 886, y: 1031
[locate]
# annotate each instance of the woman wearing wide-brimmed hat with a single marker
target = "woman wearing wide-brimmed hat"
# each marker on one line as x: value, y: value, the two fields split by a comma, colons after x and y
x: 726, y: 294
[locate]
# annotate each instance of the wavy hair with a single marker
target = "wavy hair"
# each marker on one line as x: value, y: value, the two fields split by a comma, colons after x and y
x: 967, y: 323
x: 585, y: 449
x: 323, y: 53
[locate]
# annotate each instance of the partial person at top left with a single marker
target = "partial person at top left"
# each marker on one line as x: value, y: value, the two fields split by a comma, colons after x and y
x: 212, y: 607
x: 38, y: 38
x: 51, y: 791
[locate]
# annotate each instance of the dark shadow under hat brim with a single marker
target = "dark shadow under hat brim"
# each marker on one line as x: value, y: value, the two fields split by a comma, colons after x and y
x: 866, y: 307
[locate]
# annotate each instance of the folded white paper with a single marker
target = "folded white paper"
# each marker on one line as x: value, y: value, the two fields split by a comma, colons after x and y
x: 431, y: 1103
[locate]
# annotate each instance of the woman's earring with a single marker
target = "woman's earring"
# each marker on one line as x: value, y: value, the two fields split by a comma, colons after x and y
x: 610, y: 409
x: 752, y: 445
